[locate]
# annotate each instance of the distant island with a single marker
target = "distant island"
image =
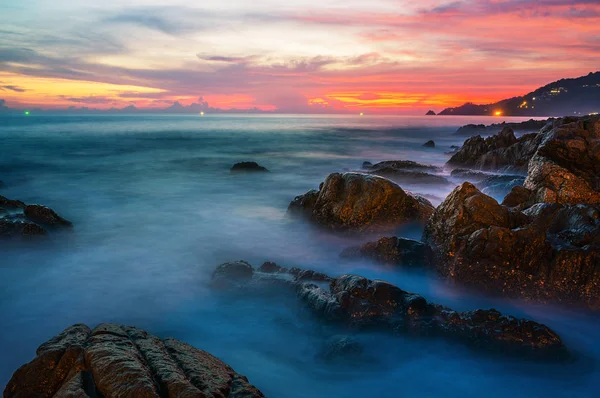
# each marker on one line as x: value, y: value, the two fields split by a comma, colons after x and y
x: 430, y: 113
x: 579, y: 96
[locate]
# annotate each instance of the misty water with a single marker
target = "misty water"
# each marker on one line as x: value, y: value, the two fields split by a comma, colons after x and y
x: 155, y: 209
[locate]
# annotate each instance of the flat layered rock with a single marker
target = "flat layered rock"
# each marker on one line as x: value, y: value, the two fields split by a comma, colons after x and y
x: 359, y: 302
x: 120, y: 361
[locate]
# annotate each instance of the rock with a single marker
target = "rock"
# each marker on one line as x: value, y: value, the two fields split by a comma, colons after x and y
x: 341, y: 348
x: 361, y: 203
x: 549, y: 252
x: 527, y: 126
x: 121, y: 361
x: 430, y: 113
x: 233, y: 272
x: 519, y: 197
x: 497, y: 185
x: 247, y: 167
x: 409, y: 176
x: 359, y: 302
x: 403, y: 165
x: 367, y: 165
x: 429, y: 144
x: 566, y: 166
x: 498, y: 152
x: 46, y: 216
x: 13, y: 228
x: 11, y: 204
x: 393, y: 251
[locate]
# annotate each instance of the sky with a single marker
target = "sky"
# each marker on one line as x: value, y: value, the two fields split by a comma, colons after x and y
x: 309, y: 56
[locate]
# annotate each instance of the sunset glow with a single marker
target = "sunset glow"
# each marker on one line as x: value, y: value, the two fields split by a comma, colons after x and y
x: 386, y: 56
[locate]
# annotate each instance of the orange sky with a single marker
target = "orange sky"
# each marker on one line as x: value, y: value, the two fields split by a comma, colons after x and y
x: 381, y: 56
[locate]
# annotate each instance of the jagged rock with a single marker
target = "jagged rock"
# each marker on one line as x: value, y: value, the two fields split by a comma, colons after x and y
x: 247, y: 167
x: 526, y: 126
x: 394, y: 251
x: 121, y: 361
x: 360, y: 202
x: 429, y: 144
x: 359, y: 302
x: 566, y: 166
x: 519, y: 197
x: 502, y: 151
x: 497, y: 185
x: 546, y: 253
x: 45, y: 215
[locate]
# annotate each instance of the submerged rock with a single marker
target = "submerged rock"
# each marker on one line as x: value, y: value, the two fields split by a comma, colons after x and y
x: 566, y: 166
x: 341, y: 348
x: 393, y: 251
x: 360, y: 202
x: 359, y: 302
x: 18, y: 219
x: 550, y: 252
x: 409, y: 176
x: 247, y: 167
x: 429, y: 144
x: 120, y: 361
x: 45, y: 215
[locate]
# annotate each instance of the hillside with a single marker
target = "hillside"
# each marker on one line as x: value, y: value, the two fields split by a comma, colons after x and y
x: 579, y: 96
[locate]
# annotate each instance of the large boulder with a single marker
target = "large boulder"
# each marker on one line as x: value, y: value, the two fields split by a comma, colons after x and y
x: 359, y: 302
x: 566, y: 166
x: 120, y: 361
x: 546, y: 253
x: 393, y: 251
x: 360, y: 202
x: 45, y: 215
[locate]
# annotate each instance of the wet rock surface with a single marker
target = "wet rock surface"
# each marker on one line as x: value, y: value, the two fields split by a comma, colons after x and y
x: 20, y: 220
x: 247, y: 167
x: 549, y: 252
x: 566, y: 166
x: 400, y: 165
x: 358, y: 302
x: 121, y: 361
x: 359, y: 203
x: 393, y: 251
x: 498, y: 152
x: 527, y: 126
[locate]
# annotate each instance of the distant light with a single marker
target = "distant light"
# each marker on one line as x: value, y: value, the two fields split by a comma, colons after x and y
x: 361, y: 113
x: 201, y: 113
x: 533, y: 98
x: 498, y: 113
x: 593, y: 113
x: 26, y: 113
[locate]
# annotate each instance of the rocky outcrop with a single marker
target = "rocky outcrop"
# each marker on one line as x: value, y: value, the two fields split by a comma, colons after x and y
x: 566, y: 166
x: 549, y: 252
x: 526, y: 126
x: 120, y: 361
x: 497, y: 185
x: 498, y: 152
x: 430, y: 113
x: 393, y: 251
x: 247, y: 167
x: 18, y: 219
x: 359, y: 302
x: 400, y: 165
x: 429, y: 144
x: 406, y: 172
x: 519, y: 197
x: 360, y: 203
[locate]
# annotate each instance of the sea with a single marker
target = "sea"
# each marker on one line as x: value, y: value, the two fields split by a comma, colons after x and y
x: 155, y: 209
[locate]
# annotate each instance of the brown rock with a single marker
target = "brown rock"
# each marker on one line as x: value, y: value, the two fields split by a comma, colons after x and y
x: 45, y: 215
x: 393, y: 251
x: 566, y: 166
x: 359, y: 202
x: 121, y: 361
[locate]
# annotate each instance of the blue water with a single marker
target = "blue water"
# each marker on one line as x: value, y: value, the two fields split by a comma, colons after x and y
x: 155, y: 210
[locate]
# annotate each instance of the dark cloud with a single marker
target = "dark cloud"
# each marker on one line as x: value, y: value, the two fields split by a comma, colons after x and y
x: 13, y: 88
x: 169, y: 20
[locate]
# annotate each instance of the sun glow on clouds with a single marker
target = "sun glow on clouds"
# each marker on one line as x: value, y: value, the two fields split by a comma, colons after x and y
x: 383, y: 55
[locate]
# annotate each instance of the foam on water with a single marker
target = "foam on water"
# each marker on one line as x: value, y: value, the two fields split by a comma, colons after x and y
x: 155, y: 210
